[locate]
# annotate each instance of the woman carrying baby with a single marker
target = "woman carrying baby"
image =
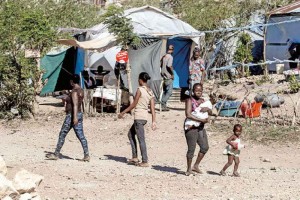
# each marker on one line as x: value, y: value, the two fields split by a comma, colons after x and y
x: 194, y: 128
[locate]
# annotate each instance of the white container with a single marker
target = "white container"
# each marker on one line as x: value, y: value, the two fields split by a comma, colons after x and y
x: 279, y: 68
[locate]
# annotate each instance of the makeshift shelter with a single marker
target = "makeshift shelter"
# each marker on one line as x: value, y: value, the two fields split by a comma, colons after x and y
x: 279, y: 38
x: 225, y: 48
x: 157, y: 30
x: 58, y: 67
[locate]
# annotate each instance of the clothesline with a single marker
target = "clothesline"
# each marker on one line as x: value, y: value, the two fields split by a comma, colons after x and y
x: 197, y: 34
x: 268, y: 62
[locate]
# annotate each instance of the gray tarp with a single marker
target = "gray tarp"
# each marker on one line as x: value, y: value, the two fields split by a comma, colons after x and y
x: 279, y: 37
x: 146, y: 60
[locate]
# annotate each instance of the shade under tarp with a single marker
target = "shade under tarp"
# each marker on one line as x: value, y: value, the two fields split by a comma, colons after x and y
x: 146, y: 60
x: 57, y: 70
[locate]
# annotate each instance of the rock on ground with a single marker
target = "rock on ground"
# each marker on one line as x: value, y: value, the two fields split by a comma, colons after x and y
x: 26, y: 182
x: 6, y: 187
x: 25, y: 196
x: 3, y: 168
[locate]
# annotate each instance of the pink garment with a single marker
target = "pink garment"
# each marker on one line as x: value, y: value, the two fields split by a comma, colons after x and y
x: 196, y: 69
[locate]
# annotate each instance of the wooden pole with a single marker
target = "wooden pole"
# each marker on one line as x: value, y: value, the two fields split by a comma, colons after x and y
x: 117, y: 95
x: 128, y: 72
x: 266, y: 70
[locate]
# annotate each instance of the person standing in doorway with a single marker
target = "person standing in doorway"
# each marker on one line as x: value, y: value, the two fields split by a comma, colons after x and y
x: 167, y: 73
x: 196, y: 69
x: 73, y: 119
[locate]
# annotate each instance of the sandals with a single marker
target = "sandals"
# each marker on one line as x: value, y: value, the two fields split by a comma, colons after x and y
x: 188, y: 173
x: 222, y: 173
x: 236, y: 174
x: 197, y: 170
x: 133, y: 161
x: 86, y: 158
x: 52, y: 156
x: 142, y: 164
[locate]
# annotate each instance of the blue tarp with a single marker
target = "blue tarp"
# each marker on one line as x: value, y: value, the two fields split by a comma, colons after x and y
x: 181, y: 57
x: 79, y: 63
x: 228, y: 104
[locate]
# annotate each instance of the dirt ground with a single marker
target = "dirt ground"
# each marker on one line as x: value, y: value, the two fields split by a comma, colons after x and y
x: 108, y: 176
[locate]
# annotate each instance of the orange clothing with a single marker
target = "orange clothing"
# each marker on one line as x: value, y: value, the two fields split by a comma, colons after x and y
x: 122, y: 55
x: 252, y: 110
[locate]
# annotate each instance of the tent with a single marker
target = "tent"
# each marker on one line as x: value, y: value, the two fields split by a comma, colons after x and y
x: 278, y: 38
x: 58, y: 67
x: 157, y: 29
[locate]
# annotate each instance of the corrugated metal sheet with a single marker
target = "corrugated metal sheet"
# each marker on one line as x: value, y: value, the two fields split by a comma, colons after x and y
x: 293, y: 7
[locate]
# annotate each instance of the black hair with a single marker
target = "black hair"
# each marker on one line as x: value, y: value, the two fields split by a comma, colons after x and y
x: 237, y: 126
x: 196, y: 85
x: 144, y: 76
x: 75, y: 78
x: 196, y: 49
x: 100, y: 69
x: 85, y: 73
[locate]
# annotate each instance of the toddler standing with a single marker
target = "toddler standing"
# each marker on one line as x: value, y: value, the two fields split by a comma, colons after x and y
x: 233, y: 150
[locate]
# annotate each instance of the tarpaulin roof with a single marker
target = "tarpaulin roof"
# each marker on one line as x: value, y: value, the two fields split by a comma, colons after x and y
x: 146, y: 21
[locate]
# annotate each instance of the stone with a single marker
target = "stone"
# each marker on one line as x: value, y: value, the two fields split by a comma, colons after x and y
x: 3, y: 168
x: 26, y: 182
x: 6, y: 187
x: 25, y: 196
x: 7, y: 198
x: 38, y: 197
x: 266, y: 160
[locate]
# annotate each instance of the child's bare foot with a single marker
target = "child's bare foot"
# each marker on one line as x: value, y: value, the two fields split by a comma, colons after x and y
x: 189, y: 173
x: 133, y: 160
x: 222, y: 173
x: 196, y: 169
x: 143, y: 164
x: 236, y: 174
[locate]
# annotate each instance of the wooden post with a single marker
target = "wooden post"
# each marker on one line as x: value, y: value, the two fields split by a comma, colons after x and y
x: 117, y: 95
x: 102, y: 88
x: 128, y: 72
x: 266, y: 70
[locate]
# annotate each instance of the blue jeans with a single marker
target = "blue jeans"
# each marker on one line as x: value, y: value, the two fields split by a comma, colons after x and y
x: 137, y: 128
x: 66, y: 127
x: 167, y: 92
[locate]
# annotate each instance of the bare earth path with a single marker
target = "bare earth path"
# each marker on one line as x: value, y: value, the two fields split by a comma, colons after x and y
x: 107, y: 176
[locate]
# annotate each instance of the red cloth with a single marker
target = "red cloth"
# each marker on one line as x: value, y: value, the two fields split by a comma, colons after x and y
x: 122, y: 55
x: 252, y: 110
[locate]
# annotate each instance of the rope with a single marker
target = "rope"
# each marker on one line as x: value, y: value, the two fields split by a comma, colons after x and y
x: 200, y: 33
x: 253, y: 64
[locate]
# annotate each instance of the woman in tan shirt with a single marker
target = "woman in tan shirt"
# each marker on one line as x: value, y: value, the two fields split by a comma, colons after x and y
x: 144, y: 96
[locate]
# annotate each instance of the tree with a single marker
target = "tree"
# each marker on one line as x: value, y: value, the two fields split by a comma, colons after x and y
x: 32, y: 25
x: 243, y: 52
x: 120, y: 26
